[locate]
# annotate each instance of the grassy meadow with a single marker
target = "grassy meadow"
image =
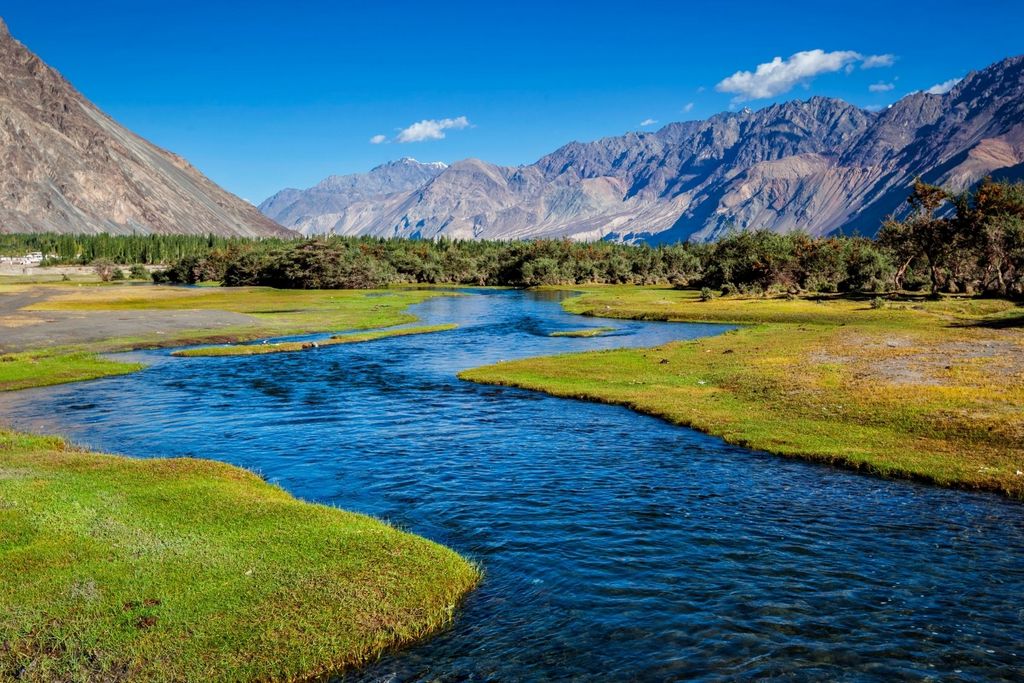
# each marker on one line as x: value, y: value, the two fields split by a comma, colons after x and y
x: 274, y: 312
x: 116, y: 568
x: 267, y: 313
x: 920, y: 389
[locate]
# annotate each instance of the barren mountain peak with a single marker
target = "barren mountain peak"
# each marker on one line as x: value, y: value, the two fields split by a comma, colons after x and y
x: 65, y: 166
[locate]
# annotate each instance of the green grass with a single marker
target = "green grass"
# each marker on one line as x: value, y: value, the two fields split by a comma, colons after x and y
x: 290, y: 347
x: 585, y: 332
x: 932, y: 391
x: 115, y: 568
x: 43, y: 368
x: 274, y: 312
x: 48, y: 278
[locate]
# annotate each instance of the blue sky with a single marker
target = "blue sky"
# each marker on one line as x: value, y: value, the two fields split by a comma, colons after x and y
x: 265, y: 95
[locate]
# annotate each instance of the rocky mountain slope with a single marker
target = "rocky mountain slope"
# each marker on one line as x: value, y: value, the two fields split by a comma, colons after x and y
x: 333, y: 203
x: 820, y: 165
x: 65, y: 166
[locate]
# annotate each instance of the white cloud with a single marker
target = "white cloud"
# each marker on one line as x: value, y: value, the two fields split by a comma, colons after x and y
x: 648, y: 122
x: 378, y: 139
x: 688, y: 107
x: 431, y: 129
x: 782, y: 75
x: 881, y: 87
x: 877, y: 61
x: 944, y: 87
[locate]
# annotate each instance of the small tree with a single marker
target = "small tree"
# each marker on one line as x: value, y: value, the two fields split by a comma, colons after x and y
x: 923, y: 234
x: 104, y: 269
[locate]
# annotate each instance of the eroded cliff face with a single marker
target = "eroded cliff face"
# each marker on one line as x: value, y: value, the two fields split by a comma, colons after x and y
x: 67, y: 167
x: 820, y: 165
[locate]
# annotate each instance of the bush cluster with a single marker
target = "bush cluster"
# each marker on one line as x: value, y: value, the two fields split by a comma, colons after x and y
x: 967, y: 242
x: 971, y: 241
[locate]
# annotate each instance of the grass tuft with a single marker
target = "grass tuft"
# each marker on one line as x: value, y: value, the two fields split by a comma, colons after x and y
x: 585, y: 332
x: 290, y: 347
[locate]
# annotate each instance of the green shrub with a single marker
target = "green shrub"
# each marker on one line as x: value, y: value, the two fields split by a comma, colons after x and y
x: 104, y: 269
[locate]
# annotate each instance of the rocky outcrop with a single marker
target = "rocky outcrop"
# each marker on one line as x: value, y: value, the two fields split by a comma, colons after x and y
x: 67, y: 167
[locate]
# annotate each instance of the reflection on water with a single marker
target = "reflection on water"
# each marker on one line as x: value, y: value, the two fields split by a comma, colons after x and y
x: 615, y: 546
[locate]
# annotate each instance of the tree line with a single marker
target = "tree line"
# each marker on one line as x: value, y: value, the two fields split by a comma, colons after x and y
x: 62, y: 249
x: 950, y: 242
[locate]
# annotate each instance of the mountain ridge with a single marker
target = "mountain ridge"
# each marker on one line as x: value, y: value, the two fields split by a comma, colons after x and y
x: 65, y: 166
x: 821, y: 165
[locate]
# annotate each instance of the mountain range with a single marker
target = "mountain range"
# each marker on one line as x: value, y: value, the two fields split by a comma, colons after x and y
x: 821, y: 166
x: 67, y: 167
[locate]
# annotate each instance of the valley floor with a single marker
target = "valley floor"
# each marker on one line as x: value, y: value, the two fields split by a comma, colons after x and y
x: 115, y: 568
x: 926, y: 390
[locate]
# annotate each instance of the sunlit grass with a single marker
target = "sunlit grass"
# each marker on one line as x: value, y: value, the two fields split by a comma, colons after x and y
x: 585, y: 332
x: 115, y: 568
x: 290, y: 347
x: 43, y: 368
x: 926, y: 390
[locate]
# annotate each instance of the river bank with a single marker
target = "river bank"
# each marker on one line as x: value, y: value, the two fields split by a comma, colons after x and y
x: 52, y: 333
x: 615, y: 545
x: 917, y: 389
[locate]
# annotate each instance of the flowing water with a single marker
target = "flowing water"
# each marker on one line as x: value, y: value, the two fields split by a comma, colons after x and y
x: 615, y: 546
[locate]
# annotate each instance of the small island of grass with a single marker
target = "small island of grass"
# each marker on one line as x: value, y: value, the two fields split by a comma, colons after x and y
x: 585, y: 332
x: 290, y: 347
x: 29, y: 369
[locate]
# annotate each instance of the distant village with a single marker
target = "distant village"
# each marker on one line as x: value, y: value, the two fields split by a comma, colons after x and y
x: 33, y: 258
